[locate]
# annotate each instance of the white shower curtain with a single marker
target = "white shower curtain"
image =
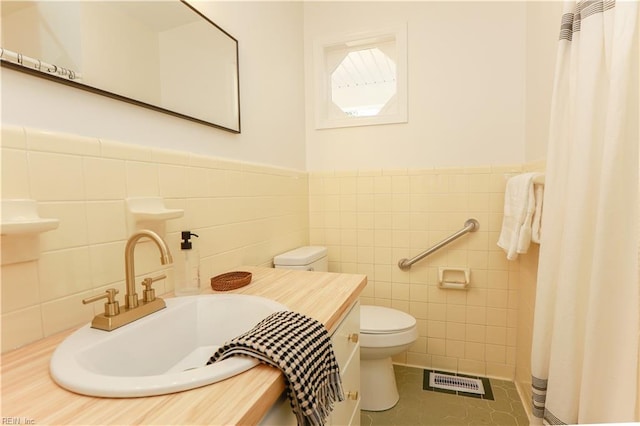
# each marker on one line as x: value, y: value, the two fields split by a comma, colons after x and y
x: 585, y: 339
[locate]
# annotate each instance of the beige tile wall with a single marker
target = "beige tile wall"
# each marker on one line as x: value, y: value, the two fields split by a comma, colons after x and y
x: 244, y: 214
x: 371, y: 219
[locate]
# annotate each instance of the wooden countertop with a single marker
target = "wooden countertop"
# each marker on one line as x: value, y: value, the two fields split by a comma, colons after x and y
x: 30, y: 396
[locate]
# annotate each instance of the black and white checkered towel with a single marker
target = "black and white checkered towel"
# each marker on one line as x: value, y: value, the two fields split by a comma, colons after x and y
x: 301, y: 348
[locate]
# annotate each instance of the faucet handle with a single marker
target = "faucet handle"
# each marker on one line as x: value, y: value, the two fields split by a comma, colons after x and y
x: 111, y: 307
x: 149, y: 294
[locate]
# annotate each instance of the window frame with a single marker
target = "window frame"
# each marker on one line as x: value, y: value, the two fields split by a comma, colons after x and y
x: 325, y: 108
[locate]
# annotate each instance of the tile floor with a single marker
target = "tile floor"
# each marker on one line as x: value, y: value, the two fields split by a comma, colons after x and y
x: 420, y: 407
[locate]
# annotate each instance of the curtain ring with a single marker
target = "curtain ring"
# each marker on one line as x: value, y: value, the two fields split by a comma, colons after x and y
x: 20, y: 58
x: 72, y: 75
x: 39, y: 66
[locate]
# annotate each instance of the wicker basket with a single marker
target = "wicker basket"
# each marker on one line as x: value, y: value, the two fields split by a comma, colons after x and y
x: 230, y: 280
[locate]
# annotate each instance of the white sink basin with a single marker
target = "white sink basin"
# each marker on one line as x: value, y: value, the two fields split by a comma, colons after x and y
x: 162, y: 353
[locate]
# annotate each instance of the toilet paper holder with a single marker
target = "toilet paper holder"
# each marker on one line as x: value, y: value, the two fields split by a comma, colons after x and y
x: 454, y: 278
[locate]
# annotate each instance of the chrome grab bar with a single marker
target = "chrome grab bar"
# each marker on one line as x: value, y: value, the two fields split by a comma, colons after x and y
x: 471, y: 225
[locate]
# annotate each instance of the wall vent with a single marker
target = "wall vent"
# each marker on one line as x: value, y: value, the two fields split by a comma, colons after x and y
x: 456, y: 383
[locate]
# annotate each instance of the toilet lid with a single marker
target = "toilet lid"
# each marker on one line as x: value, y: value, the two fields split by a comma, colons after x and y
x: 300, y: 256
x: 378, y: 320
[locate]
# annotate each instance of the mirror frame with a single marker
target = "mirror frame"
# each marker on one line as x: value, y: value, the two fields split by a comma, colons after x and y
x: 96, y: 90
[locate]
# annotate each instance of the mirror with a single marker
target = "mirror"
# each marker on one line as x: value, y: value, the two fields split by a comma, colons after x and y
x: 163, y: 55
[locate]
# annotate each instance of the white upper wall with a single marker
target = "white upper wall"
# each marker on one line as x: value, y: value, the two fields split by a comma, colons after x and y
x: 480, y: 76
x: 271, y: 96
x: 480, y: 84
x: 466, y: 84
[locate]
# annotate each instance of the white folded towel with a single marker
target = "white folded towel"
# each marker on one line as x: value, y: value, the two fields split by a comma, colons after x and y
x: 536, y: 221
x: 522, y: 214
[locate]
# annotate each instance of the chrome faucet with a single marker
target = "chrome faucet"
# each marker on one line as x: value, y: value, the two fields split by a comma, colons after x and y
x: 131, y: 298
x: 113, y: 317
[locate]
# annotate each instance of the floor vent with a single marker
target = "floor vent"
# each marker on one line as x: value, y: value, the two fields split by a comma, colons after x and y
x: 456, y: 383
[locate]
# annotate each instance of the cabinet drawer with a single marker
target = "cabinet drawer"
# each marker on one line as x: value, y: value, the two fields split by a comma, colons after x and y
x: 347, y: 412
x: 345, y: 338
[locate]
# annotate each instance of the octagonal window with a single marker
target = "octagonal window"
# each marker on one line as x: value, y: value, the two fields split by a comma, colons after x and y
x: 363, y: 83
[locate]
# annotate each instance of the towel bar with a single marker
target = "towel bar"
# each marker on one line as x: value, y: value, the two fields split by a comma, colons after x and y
x: 539, y: 179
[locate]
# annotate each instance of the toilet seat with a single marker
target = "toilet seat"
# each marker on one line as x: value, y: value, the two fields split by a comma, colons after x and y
x: 382, y: 320
x: 388, y: 328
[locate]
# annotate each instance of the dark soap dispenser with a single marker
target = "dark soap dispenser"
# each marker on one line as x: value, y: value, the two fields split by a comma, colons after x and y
x: 187, y: 281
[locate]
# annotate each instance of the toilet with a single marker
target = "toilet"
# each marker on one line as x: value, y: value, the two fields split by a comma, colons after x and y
x: 384, y: 332
x: 309, y: 258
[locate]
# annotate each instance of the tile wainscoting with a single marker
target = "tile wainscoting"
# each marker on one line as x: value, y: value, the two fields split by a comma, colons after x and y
x: 244, y: 214
x: 369, y: 219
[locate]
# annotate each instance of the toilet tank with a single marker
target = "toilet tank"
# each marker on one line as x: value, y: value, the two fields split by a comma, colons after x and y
x: 308, y: 258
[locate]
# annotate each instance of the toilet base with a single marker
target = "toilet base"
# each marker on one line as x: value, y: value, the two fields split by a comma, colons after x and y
x: 377, y: 385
